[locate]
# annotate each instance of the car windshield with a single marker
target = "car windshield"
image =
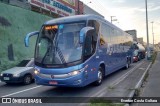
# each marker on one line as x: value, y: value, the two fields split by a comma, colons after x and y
x: 23, y: 63
x: 59, y: 44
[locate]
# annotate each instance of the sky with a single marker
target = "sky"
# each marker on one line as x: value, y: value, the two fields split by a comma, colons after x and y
x: 131, y: 14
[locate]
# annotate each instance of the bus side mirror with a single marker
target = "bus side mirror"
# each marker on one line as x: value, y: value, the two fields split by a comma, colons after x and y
x: 83, y: 33
x: 26, y: 39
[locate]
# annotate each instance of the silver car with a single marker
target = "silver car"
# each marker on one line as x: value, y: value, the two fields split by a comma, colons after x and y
x: 22, y: 73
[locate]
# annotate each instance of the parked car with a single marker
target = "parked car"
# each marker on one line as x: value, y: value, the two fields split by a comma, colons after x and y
x: 22, y: 73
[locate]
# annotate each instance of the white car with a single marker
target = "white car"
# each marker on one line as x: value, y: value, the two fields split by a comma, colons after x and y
x: 22, y: 73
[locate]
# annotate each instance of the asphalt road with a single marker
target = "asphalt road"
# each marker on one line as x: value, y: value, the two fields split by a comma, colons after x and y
x: 33, y: 90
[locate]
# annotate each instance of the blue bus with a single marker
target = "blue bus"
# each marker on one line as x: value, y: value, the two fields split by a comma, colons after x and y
x: 78, y: 50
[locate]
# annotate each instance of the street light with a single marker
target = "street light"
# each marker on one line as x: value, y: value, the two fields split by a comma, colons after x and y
x: 148, y: 51
x: 113, y: 19
x: 88, y: 2
x: 152, y: 33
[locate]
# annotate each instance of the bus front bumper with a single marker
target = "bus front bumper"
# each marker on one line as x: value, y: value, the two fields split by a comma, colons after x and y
x: 74, y: 81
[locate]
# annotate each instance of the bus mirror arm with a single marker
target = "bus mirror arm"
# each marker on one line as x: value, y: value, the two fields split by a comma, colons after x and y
x: 26, y: 39
x: 83, y: 33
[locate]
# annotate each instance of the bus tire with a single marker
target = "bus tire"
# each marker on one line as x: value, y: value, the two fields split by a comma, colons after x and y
x: 100, y: 77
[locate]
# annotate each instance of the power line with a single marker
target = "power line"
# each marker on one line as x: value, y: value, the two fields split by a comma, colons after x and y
x: 97, y: 6
x: 102, y: 11
x: 101, y: 6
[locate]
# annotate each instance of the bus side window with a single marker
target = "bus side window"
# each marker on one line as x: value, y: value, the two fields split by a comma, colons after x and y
x: 91, y: 39
x: 88, y: 44
x: 95, y: 24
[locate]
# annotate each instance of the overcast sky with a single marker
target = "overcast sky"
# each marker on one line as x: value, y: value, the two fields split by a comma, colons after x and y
x: 130, y: 15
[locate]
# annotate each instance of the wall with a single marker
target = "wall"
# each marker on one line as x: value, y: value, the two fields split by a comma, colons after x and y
x: 15, y: 23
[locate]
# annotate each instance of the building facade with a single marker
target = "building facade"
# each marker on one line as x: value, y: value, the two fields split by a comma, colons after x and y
x: 54, y: 8
x: 57, y: 8
x: 133, y: 33
x: 140, y: 40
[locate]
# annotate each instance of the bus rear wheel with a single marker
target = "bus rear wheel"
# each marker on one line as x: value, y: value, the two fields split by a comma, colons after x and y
x: 100, y: 77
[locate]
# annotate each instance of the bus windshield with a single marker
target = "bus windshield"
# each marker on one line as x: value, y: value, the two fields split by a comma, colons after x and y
x: 59, y: 44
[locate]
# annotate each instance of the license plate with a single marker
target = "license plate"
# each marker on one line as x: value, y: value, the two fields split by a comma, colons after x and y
x: 53, y: 82
x: 5, y: 78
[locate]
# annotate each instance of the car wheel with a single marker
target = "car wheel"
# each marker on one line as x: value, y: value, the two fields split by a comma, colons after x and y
x: 100, y: 77
x: 27, y: 79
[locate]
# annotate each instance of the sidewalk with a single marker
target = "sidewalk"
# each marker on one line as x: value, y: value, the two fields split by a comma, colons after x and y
x: 152, y: 87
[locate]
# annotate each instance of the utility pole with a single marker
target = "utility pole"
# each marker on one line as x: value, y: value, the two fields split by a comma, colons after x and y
x: 152, y: 33
x: 78, y: 7
x: 148, y: 51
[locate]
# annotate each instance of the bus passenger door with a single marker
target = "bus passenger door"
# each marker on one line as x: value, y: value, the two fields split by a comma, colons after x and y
x: 90, y: 56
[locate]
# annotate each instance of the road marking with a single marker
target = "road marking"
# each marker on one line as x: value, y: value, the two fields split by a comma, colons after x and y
x: 140, y: 81
x: 120, y: 79
x: 125, y: 75
x: 95, y: 95
x: 101, y: 92
x: 142, y: 68
x: 21, y: 91
x: 98, y: 94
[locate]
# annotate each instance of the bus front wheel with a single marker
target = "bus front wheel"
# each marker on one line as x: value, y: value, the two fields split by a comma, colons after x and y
x: 100, y: 77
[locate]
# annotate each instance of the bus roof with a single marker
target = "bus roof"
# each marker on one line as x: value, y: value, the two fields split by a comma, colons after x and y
x: 73, y: 19
x: 77, y: 18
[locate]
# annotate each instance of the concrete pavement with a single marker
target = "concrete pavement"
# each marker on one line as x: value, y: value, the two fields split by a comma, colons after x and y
x: 152, y: 86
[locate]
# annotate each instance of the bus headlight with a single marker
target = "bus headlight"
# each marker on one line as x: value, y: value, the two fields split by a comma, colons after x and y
x: 36, y: 71
x: 1, y: 74
x: 73, y: 73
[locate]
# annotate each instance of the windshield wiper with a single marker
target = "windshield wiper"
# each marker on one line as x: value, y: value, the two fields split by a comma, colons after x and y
x: 56, y: 48
x: 61, y: 55
x: 52, y: 50
x: 46, y: 53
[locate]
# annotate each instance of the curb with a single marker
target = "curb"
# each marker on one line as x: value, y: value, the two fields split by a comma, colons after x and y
x: 138, y: 85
